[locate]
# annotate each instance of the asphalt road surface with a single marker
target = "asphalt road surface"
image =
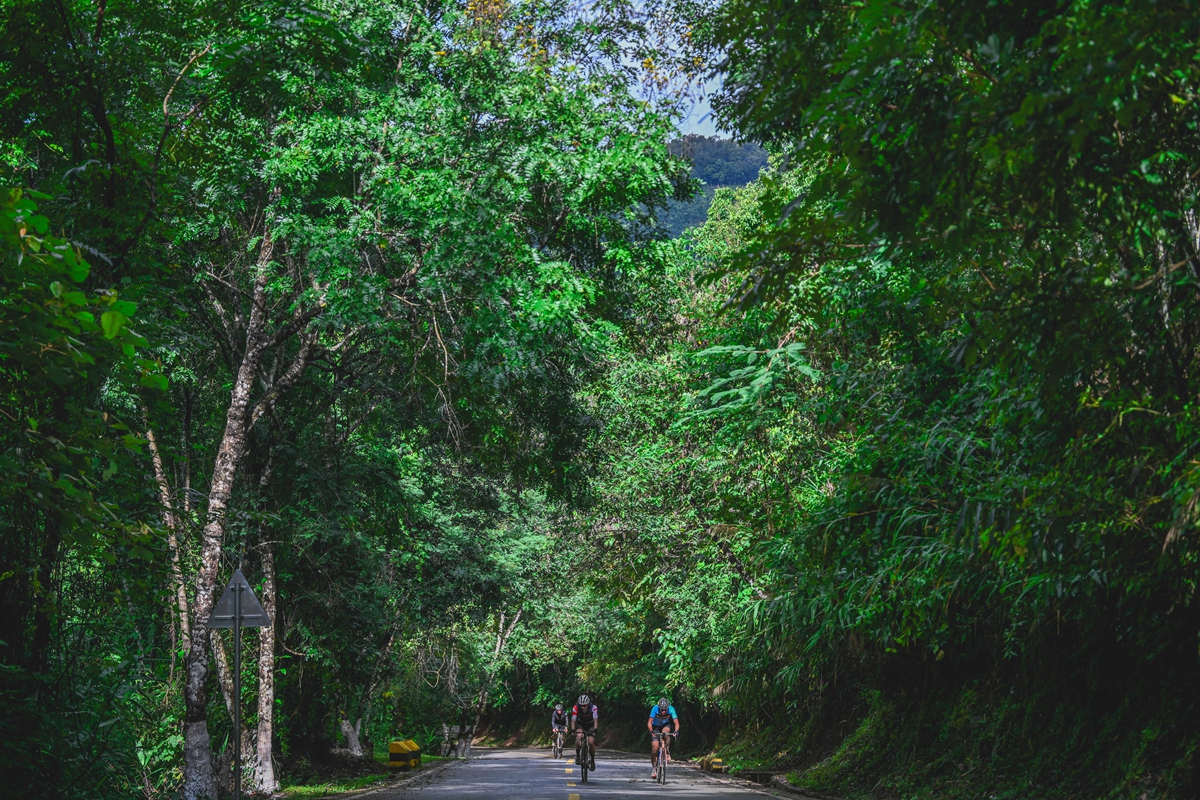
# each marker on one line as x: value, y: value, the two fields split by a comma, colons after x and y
x: 534, y: 775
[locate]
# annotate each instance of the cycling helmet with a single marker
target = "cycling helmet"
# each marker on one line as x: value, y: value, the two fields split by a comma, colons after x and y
x: 558, y: 706
x: 584, y: 699
x: 663, y: 703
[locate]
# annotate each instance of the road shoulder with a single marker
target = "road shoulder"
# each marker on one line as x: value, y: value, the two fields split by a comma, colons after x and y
x: 729, y: 780
x: 396, y: 782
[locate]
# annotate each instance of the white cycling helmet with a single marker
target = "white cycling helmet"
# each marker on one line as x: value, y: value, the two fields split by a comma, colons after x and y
x: 663, y: 703
x: 584, y: 699
x: 558, y: 706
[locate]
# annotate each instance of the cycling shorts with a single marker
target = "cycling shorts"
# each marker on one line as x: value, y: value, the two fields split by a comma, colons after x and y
x: 659, y: 728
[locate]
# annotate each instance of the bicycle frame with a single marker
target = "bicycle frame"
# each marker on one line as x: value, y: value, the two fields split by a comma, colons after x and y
x: 585, y: 755
x: 664, y: 751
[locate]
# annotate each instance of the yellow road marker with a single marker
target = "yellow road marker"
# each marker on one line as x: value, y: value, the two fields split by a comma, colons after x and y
x: 570, y: 784
x: 572, y: 797
x: 568, y: 771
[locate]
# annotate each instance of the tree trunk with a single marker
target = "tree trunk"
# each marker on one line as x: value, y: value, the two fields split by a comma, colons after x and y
x: 224, y: 672
x: 350, y: 733
x: 171, y: 524
x: 365, y: 702
x: 186, y: 455
x: 225, y: 681
x: 225, y: 763
x: 199, y: 780
x: 44, y: 610
x: 479, y: 710
x: 465, y: 734
x: 502, y: 636
x: 265, y: 781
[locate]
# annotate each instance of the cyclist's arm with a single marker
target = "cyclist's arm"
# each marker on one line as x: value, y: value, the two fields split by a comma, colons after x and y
x: 675, y: 719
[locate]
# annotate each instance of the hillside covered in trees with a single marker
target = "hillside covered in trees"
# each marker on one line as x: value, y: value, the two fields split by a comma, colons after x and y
x: 882, y: 466
x: 717, y: 163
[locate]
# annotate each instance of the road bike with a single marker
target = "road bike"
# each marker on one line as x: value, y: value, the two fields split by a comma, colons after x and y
x: 558, y: 742
x: 664, y: 754
x: 585, y: 755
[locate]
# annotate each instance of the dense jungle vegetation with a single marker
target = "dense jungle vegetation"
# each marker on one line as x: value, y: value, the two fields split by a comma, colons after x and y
x: 885, y: 469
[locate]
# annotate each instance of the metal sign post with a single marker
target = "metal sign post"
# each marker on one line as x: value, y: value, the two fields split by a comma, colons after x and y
x: 232, y: 611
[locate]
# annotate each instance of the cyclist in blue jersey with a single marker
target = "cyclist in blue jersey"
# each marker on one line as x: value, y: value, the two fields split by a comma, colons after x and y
x: 662, y: 716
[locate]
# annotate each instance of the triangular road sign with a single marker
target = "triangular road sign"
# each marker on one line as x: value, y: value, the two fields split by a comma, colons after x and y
x: 253, y: 615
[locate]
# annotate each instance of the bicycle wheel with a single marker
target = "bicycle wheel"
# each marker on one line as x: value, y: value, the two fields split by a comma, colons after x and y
x: 583, y: 772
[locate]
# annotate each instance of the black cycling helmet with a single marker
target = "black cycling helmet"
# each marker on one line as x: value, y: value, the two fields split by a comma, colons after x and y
x: 584, y: 699
x: 663, y: 703
x: 558, y: 706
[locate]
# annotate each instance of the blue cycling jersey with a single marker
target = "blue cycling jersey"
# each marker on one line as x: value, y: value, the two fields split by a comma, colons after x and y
x: 660, y: 718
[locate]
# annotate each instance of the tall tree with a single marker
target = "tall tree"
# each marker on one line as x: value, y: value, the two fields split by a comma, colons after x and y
x: 418, y: 202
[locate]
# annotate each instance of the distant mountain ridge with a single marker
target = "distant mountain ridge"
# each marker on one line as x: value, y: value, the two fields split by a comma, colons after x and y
x: 718, y: 162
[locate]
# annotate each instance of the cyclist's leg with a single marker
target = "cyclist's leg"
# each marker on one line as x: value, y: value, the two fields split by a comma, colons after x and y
x: 592, y: 750
x: 578, y: 743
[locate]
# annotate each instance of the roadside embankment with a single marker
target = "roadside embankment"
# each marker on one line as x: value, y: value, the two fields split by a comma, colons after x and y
x: 1065, y: 723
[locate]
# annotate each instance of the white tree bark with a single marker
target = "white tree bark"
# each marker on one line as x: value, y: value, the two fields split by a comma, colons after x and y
x: 350, y: 734
x: 265, y: 781
x: 200, y: 780
x: 224, y: 671
x: 170, y: 522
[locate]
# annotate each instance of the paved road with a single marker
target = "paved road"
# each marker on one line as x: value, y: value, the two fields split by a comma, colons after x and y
x: 534, y: 775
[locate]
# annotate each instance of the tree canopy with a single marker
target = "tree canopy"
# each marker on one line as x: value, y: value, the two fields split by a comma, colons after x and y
x: 865, y: 434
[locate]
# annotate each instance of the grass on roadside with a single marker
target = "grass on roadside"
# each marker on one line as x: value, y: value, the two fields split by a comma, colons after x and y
x: 336, y: 786
x: 340, y: 785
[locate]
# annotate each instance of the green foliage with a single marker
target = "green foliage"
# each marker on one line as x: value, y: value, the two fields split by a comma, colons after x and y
x: 59, y: 462
x: 716, y: 163
x: 980, y: 231
x: 58, y: 344
x: 951, y: 427
x: 441, y: 213
x: 913, y: 407
x: 975, y: 271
